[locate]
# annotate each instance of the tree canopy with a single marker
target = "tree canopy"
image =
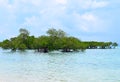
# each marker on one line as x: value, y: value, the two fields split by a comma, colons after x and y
x: 55, y: 40
x: 56, y: 33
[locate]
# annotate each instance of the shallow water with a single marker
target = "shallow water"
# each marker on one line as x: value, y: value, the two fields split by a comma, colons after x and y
x: 93, y: 65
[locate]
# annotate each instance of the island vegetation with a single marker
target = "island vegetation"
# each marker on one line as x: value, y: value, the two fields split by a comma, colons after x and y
x: 54, y: 40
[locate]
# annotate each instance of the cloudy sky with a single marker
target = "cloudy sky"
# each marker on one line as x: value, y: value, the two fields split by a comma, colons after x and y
x: 97, y: 20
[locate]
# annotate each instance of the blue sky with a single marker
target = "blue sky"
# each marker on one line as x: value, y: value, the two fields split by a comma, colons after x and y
x: 96, y: 20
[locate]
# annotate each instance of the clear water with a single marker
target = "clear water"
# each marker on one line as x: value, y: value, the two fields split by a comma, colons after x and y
x: 90, y: 66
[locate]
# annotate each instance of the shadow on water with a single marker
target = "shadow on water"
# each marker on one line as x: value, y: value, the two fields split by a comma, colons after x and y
x: 57, y: 53
x: 29, y: 52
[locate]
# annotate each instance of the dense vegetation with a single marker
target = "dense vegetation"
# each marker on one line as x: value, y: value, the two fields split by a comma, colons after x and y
x: 54, y: 40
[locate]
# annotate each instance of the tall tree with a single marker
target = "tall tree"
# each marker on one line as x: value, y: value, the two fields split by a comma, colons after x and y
x: 24, y: 33
x: 56, y: 33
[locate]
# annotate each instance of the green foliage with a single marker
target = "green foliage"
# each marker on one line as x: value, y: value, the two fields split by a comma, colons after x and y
x: 0, y: 44
x: 30, y: 42
x: 70, y: 43
x: 24, y: 31
x: 100, y: 45
x: 15, y: 42
x: 22, y: 47
x: 56, y: 33
x: 5, y: 44
x: 43, y: 41
x: 114, y: 44
x: 56, y: 40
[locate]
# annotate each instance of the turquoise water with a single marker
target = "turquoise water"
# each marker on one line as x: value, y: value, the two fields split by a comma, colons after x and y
x: 96, y: 65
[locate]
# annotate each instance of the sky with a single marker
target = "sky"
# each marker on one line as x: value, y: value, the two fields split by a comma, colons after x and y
x: 88, y: 20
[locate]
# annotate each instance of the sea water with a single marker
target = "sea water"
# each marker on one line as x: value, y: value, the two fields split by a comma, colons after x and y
x: 92, y: 65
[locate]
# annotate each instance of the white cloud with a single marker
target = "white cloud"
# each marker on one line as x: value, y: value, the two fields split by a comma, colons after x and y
x: 89, y: 4
x: 89, y: 17
x: 88, y: 22
x: 3, y: 2
x: 42, y: 14
x: 63, y: 2
x: 99, y: 4
x: 32, y: 2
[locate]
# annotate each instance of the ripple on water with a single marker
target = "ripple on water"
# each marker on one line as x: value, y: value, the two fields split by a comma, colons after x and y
x: 89, y: 66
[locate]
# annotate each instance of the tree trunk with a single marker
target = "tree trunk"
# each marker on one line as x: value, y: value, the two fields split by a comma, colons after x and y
x: 66, y: 50
x: 44, y: 50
